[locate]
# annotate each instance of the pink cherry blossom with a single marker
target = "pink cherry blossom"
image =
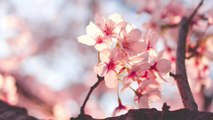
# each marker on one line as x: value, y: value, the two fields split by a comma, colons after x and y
x: 95, y: 37
x: 150, y: 39
x: 147, y: 91
x: 134, y: 74
x: 127, y: 55
x: 110, y: 26
x: 131, y: 42
x: 109, y: 67
x: 136, y: 70
x: 161, y: 65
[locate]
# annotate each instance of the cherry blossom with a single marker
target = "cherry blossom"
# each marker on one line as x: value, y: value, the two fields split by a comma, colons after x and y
x: 108, y: 67
x: 95, y: 37
x: 127, y: 55
x: 110, y: 26
x: 148, y: 90
x: 131, y: 42
x: 160, y: 65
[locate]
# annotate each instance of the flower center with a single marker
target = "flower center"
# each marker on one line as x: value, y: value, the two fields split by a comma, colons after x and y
x: 110, y: 66
x: 99, y: 40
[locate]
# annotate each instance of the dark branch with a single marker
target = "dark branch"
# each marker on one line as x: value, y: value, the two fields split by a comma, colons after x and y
x: 153, y: 114
x: 182, y: 82
x: 8, y: 112
x: 100, y: 79
x: 195, y: 11
x: 169, y: 26
x: 175, y: 76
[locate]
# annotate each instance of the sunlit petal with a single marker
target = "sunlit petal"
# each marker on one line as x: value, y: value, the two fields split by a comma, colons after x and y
x: 86, y: 39
x: 111, y: 79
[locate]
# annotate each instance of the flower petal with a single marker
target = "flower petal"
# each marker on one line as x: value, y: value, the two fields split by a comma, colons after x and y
x: 111, y: 79
x: 102, y: 46
x: 93, y: 30
x: 154, y: 94
x: 100, y: 69
x: 126, y: 83
x: 138, y: 47
x: 143, y: 102
x: 104, y: 55
x: 163, y: 66
x: 86, y: 39
x: 134, y: 35
x: 159, y: 56
x: 100, y: 21
x: 116, y: 18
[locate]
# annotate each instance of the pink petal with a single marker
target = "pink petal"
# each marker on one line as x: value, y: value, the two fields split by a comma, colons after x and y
x: 141, y: 58
x: 100, y: 69
x: 86, y: 39
x: 142, y: 67
x: 119, y: 26
x: 111, y: 80
x: 143, y: 102
x: 163, y: 66
x: 151, y: 37
x: 154, y: 94
x: 134, y: 35
x: 126, y: 83
x: 116, y: 54
x: 161, y: 76
x: 138, y: 47
x: 151, y: 75
x: 102, y: 46
x: 116, y: 18
x: 145, y: 83
x: 123, y: 33
x: 104, y: 55
x: 93, y: 31
x: 100, y: 21
x: 160, y: 54
x: 208, y: 54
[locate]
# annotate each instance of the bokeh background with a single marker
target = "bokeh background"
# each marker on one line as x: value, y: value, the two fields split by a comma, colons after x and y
x: 44, y: 69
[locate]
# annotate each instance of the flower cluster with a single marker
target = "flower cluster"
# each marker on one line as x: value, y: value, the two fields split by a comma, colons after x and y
x: 126, y: 55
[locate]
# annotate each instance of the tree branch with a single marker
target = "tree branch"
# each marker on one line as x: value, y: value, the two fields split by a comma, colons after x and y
x: 195, y: 11
x: 100, y: 79
x: 153, y: 114
x: 8, y: 112
x: 182, y: 82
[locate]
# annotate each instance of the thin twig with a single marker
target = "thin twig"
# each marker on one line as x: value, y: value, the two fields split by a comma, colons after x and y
x: 195, y: 11
x: 182, y: 82
x: 100, y: 79
x: 175, y: 76
x: 194, y: 51
x: 169, y: 26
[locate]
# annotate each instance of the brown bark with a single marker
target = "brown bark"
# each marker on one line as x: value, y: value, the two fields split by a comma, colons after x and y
x: 182, y: 81
x: 8, y: 112
x: 153, y: 114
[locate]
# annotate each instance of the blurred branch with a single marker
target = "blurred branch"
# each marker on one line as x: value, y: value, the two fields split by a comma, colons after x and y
x: 8, y: 112
x: 182, y: 82
x: 164, y: 26
x: 207, y: 99
x: 195, y: 11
